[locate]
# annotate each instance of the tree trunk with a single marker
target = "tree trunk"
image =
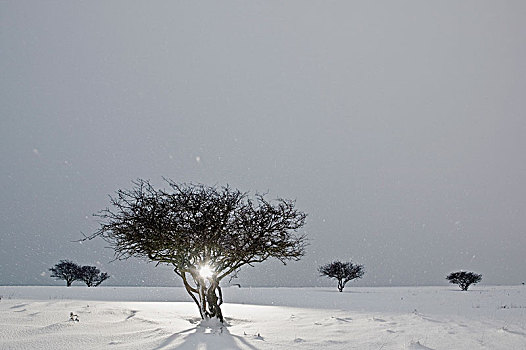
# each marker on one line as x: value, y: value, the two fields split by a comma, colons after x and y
x: 340, y: 286
x: 214, y: 301
x: 68, y: 283
x: 191, y: 290
x: 210, y: 301
x: 207, y: 298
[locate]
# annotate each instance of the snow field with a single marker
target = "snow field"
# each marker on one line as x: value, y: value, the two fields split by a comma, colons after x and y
x: 302, y: 318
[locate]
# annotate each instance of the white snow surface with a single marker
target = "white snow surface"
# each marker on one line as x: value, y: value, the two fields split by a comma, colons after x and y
x: 414, y: 318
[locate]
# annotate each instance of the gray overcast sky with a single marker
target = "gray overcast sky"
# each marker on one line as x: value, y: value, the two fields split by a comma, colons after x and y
x: 399, y: 126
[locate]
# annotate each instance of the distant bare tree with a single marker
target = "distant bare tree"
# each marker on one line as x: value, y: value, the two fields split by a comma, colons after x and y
x: 464, y: 279
x: 342, y: 271
x: 92, y: 276
x: 66, y: 270
x: 205, y: 233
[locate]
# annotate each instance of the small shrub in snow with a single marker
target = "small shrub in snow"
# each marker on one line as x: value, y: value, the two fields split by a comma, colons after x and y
x: 66, y: 270
x: 342, y: 271
x: 92, y: 276
x: 69, y: 271
x: 464, y: 279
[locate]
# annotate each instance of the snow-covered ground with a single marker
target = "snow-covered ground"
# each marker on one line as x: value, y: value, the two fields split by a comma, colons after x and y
x: 265, y: 318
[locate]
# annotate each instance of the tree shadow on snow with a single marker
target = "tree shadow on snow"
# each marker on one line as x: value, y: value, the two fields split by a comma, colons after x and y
x: 206, y: 337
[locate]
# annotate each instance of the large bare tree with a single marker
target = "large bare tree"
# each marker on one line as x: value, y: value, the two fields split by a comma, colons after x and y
x: 206, y: 233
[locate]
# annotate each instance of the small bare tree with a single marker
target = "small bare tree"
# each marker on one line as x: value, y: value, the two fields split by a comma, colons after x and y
x: 92, y: 276
x: 66, y: 270
x: 464, y: 279
x: 342, y: 271
x: 205, y: 233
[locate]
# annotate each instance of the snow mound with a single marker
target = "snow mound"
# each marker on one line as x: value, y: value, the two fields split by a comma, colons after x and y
x: 417, y: 346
